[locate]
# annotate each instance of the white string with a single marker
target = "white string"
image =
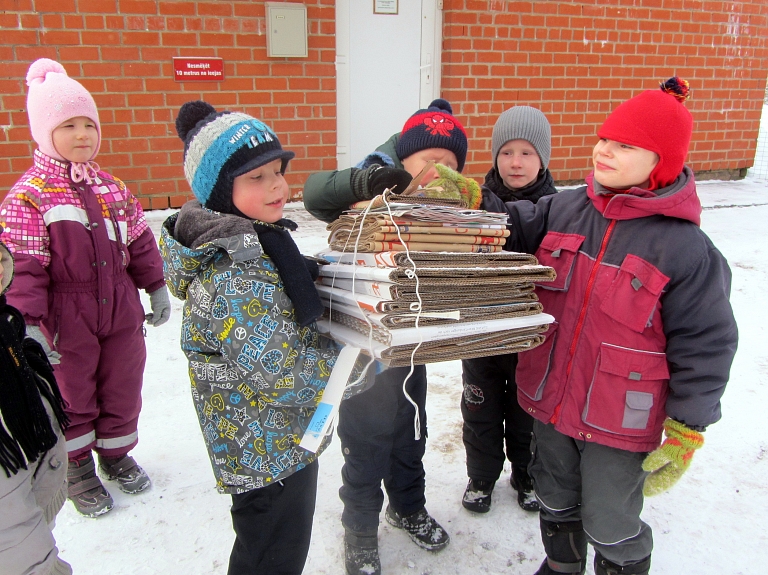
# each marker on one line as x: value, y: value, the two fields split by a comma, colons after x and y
x: 411, y: 273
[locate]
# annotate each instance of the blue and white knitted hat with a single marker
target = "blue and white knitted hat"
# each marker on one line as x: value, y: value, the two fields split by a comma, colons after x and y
x: 219, y: 146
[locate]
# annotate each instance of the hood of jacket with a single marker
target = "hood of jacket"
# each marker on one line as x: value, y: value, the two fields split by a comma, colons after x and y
x: 193, y: 237
x: 678, y: 200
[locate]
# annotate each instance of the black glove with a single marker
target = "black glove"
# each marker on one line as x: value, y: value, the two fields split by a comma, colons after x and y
x: 373, y: 181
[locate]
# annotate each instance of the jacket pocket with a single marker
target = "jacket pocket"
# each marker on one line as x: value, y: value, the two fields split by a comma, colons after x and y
x: 632, y: 297
x: 559, y: 251
x: 533, y: 367
x: 628, y: 391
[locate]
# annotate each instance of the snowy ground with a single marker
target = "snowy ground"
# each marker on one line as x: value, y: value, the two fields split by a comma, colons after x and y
x: 712, y: 523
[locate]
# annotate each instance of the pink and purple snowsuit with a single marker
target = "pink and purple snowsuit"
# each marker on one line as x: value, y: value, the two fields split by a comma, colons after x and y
x: 82, y: 250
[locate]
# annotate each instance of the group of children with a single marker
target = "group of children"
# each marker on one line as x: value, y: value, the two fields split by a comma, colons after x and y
x: 643, y: 340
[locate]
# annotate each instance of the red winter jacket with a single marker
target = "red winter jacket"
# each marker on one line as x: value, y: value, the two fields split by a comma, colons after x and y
x: 644, y: 326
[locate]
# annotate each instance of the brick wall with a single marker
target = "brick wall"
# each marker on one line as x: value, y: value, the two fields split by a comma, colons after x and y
x: 578, y: 60
x: 574, y: 60
x: 122, y: 50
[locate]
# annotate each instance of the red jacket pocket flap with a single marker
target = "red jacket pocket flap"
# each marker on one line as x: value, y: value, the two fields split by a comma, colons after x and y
x: 645, y: 274
x: 633, y: 364
x: 554, y: 241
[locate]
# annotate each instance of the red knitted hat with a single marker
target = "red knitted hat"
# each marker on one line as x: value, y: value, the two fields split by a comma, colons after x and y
x: 655, y: 120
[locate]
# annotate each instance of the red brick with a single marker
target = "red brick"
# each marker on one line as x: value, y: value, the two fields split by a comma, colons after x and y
x: 176, y: 8
x: 138, y: 7
x: 179, y: 39
x: 98, y: 6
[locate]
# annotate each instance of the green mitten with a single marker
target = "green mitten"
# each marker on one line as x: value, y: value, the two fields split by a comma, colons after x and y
x: 452, y: 185
x: 667, y: 463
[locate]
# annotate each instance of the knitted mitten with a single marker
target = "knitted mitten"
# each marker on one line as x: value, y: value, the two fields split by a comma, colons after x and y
x: 667, y: 463
x: 452, y: 185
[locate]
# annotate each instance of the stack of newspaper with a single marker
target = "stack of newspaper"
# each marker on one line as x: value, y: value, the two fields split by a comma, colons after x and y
x: 444, y: 305
x: 418, y: 227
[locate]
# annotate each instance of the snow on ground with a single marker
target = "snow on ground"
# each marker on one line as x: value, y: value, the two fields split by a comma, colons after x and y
x: 712, y: 523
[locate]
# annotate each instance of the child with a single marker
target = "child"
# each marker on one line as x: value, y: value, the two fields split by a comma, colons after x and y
x: 256, y: 363
x: 492, y: 416
x: 644, y: 337
x: 82, y: 249
x: 32, y: 449
x: 377, y: 427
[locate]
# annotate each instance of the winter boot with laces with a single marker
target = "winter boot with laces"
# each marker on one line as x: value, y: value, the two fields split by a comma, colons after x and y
x: 523, y: 484
x: 605, y: 567
x: 477, y: 496
x: 130, y: 477
x: 423, y: 530
x: 84, y: 488
x: 361, y: 553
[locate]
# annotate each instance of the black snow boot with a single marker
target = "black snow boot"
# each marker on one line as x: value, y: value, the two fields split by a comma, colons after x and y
x: 605, y: 567
x: 361, y: 553
x: 477, y: 496
x: 423, y: 530
x: 566, y: 547
x: 523, y: 484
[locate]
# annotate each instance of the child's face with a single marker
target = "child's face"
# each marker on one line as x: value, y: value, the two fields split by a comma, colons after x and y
x: 76, y: 139
x: 261, y: 193
x: 621, y: 166
x: 518, y: 164
x: 414, y: 163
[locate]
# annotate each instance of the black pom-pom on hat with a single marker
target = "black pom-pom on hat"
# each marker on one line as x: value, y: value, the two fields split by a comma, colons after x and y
x: 441, y: 104
x: 190, y: 114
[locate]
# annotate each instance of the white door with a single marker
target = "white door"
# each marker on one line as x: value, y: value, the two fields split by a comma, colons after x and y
x: 387, y: 67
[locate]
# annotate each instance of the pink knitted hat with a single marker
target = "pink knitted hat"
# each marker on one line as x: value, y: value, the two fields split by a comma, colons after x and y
x: 53, y: 98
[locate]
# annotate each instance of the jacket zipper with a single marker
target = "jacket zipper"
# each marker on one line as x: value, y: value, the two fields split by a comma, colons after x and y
x: 582, y: 314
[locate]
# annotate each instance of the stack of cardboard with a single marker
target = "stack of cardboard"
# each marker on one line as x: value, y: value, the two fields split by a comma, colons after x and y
x: 443, y: 305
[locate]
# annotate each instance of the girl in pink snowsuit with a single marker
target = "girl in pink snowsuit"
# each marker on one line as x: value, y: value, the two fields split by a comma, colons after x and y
x: 82, y: 248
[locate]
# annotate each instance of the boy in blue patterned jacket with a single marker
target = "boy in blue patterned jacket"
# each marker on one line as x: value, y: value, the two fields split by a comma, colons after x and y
x: 257, y: 363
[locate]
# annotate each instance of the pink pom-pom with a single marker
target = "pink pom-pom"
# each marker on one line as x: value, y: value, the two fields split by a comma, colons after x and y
x: 39, y: 68
x: 676, y: 87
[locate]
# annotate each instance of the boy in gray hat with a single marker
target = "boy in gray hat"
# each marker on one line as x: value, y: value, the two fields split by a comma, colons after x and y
x: 521, y: 145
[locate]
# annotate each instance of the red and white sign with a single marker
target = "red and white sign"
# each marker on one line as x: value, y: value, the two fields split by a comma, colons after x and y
x: 202, y: 69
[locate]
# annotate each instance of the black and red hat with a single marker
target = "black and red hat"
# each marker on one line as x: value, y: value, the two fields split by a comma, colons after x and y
x: 435, y: 127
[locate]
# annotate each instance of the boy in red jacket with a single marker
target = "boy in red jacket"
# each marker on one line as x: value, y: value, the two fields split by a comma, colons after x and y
x: 643, y: 342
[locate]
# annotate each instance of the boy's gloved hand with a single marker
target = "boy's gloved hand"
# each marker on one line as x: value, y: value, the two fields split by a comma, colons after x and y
x: 34, y: 332
x: 161, y: 307
x: 372, y: 181
x: 668, y: 463
x: 452, y: 185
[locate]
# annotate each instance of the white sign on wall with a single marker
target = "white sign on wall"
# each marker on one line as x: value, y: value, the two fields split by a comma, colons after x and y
x: 385, y: 6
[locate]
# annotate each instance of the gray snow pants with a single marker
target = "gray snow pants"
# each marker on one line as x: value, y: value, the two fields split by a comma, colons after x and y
x: 601, y: 486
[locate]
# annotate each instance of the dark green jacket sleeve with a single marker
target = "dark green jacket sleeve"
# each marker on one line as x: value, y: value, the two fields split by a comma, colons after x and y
x: 328, y: 194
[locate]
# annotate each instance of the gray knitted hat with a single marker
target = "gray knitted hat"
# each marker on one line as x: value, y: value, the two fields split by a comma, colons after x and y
x: 523, y: 123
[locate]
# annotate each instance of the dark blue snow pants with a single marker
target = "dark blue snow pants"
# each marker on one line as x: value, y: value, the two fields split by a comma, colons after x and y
x: 376, y: 429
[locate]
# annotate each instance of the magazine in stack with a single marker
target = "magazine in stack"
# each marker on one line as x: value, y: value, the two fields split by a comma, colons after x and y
x: 445, y: 303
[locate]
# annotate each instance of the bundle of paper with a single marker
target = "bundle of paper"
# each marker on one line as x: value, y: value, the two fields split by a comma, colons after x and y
x: 436, y: 303
x: 435, y: 300
x: 428, y: 259
x: 418, y: 228
x: 432, y: 344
